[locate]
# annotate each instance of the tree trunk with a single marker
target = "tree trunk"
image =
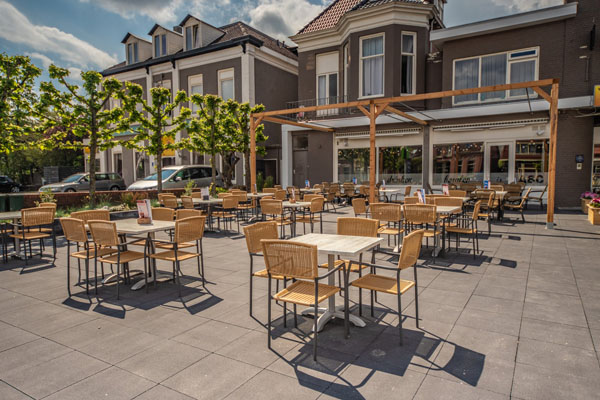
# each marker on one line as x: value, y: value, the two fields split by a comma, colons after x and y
x: 159, y: 165
x: 247, y: 178
x: 93, y: 150
x: 213, y: 165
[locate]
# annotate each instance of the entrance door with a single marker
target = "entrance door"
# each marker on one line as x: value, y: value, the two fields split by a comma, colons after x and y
x: 500, y: 162
x: 300, y: 172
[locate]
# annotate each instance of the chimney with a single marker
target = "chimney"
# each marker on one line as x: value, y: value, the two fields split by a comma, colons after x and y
x: 178, y: 29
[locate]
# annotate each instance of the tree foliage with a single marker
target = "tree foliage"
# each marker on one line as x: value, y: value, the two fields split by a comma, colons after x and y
x: 82, y: 111
x: 156, y: 127
x: 17, y: 98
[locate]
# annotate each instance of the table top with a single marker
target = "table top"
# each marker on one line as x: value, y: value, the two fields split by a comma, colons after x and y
x: 311, y: 190
x: 339, y: 245
x: 447, y: 209
x: 131, y: 227
x: 259, y: 195
x: 209, y: 201
x: 391, y: 190
x: 10, y: 215
x: 297, y: 204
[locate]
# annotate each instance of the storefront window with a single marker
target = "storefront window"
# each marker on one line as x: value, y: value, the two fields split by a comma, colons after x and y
x: 596, y: 169
x: 401, y: 165
x: 353, y: 163
x: 459, y: 162
x: 531, y: 162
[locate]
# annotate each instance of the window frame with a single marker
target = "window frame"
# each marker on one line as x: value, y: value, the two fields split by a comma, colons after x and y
x: 193, y: 81
x: 414, y: 61
x: 507, y: 97
x: 221, y: 78
x: 360, y: 66
x: 346, y: 67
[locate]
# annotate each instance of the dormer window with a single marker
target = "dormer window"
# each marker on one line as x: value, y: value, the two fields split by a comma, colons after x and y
x: 192, y: 38
x: 132, y: 53
x: 160, y: 45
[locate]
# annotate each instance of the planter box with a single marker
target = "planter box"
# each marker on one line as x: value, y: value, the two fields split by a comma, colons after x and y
x: 584, y: 205
x: 594, y: 215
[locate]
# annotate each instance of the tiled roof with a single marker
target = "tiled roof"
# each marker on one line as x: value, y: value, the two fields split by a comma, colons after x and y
x: 332, y: 14
x: 240, y: 29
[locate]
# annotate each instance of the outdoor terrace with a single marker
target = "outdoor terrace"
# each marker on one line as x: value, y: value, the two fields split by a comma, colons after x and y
x: 521, y: 320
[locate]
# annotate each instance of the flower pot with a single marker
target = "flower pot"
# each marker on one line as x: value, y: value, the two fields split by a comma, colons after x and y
x: 584, y: 205
x: 594, y: 215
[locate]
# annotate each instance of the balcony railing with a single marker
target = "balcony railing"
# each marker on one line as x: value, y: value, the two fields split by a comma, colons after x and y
x: 320, y: 114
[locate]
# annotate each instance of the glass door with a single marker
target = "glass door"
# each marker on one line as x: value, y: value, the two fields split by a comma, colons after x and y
x: 500, y: 162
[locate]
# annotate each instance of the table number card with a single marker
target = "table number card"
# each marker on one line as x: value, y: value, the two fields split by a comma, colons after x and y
x: 204, y: 193
x: 445, y: 189
x: 144, y: 209
x: 421, y: 196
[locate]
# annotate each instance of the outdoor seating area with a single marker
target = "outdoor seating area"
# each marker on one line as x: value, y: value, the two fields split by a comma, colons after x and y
x: 471, y: 298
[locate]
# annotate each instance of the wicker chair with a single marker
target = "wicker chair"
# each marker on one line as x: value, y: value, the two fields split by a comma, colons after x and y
x: 228, y: 212
x: 244, y: 204
x: 254, y: 234
x: 409, y: 256
x: 497, y: 188
x: 223, y: 195
x: 423, y: 215
x: 457, y: 193
x: 513, y: 192
x: 449, y: 202
x: 168, y: 200
x: 75, y: 232
x: 539, y: 198
x: 187, y: 202
x: 270, y: 190
x: 394, y: 197
x: 315, y: 214
x: 359, y: 205
x: 280, y: 195
x: 33, y: 220
x: 187, y: 230
x: 104, y: 235
x: 467, y: 227
x: 308, y: 197
x: 389, y: 216
x: 163, y: 213
x: 411, y: 200
x: 183, y: 213
x: 521, y: 206
x: 88, y: 215
x: 487, y: 214
x: 47, y: 204
x: 330, y: 197
x: 299, y: 262
x: 273, y: 210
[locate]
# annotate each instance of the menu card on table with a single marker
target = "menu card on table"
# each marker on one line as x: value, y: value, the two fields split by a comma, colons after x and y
x: 445, y: 189
x: 204, y: 193
x: 307, y: 183
x: 144, y: 209
x: 421, y: 196
x: 486, y: 184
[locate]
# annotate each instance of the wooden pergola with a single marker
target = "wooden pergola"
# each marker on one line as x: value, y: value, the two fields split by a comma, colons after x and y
x: 375, y: 107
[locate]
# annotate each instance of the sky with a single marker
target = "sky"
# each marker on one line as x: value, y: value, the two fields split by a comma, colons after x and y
x: 87, y: 34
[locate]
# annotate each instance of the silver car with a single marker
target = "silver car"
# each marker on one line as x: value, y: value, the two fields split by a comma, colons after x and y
x: 81, y: 183
x: 174, y: 177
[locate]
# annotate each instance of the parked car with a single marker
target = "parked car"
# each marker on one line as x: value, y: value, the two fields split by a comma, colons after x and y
x: 174, y: 177
x: 8, y: 185
x: 81, y: 183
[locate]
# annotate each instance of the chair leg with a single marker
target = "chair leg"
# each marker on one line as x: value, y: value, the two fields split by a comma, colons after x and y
x: 316, y: 334
x: 69, y: 268
x: 87, y: 276
x: 284, y: 306
x: 118, y: 277
x: 399, y: 309
x: 250, y: 300
x: 416, y: 298
x: 269, y: 313
x: 372, y: 307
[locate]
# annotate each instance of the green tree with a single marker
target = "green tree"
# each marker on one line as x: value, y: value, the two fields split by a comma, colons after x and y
x: 157, y: 127
x: 82, y: 111
x: 17, y: 97
x: 237, y: 133
x: 206, y: 130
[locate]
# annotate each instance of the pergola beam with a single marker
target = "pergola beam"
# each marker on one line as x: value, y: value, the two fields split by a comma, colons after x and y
x: 300, y: 124
x: 542, y: 93
x: 405, y: 115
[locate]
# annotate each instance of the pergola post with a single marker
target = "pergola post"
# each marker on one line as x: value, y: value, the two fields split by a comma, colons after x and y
x: 552, y: 155
x: 252, y: 153
x: 372, y: 166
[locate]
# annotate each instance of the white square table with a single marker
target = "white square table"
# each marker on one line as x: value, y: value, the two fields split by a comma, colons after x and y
x: 343, y: 246
x: 294, y: 207
x: 14, y: 216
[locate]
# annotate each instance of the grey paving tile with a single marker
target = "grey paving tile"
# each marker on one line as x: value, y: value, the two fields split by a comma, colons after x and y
x: 490, y: 344
x: 507, y: 324
x: 212, y: 377
x: 564, y: 313
x: 11, y: 336
x: 7, y: 392
x: 252, y: 348
x: 163, y: 360
x: 433, y: 295
x: 566, y: 335
x: 500, y: 306
x: 211, y: 336
x: 112, y: 383
x: 441, y: 389
x: 160, y: 392
x: 278, y: 385
x: 30, y: 354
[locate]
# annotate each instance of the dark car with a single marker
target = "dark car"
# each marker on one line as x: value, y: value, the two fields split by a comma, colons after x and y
x: 8, y: 185
x: 81, y: 183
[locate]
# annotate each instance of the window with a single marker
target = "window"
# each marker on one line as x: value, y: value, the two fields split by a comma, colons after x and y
x: 459, y: 162
x: 160, y: 45
x: 117, y: 165
x: 596, y: 169
x: 495, y: 69
x: 401, y: 165
x: 226, y: 84
x: 327, y: 89
x: 371, y: 66
x: 531, y: 161
x: 195, y: 86
x: 327, y: 68
x: 191, y: 37
x: 353, y: 163
x: 346, y: 69
x: 130, y: 53
x: 408, y: 63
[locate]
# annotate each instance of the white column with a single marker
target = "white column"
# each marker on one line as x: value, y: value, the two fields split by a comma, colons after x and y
x: 286, y: 156
x: 334, y: 158
x: 248, y: 87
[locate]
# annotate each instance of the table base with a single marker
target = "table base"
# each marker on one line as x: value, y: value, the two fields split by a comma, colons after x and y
x: 327, y: 315
x: 159, y: 277
x: 113, y: 277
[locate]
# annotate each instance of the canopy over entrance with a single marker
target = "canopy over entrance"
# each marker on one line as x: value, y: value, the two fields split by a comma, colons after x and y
x: 375, y: 107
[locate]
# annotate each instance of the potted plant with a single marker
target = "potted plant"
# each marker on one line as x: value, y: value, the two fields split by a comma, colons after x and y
x: 586, y: 197
x: 594, y: 211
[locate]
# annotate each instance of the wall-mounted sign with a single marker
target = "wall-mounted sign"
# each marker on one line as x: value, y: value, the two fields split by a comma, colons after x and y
x: 597, y: 96
x: 579, y: 158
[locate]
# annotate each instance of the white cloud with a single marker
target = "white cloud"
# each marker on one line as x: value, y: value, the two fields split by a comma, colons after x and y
x: 46, y: 61
x: 282, y: 18
x: 161, y: 11
x: 16, y: 28
x: 521, y: 6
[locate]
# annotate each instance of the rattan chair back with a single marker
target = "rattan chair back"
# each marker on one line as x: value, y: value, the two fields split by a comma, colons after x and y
x: 74, y: 230
x: 169, y: 196
x: 37, y: 216
x: 88, y: 215
x: 411, y: 248
x: 407, y: 191
x: 278, y: 187
x: 281, y: 194
x: 291, y: 259
x: 257, y: 232
x: 411, y: 200
x: 186, y: 213
x: 476, y: 210
x: 420, y: 213
x: 498, y: 188
x: 309, y: 197
x: 485, y: 195
x: 357, y: 226
x: 359, y: 205
x: 189, y: 229
x: 270, y: 190
x: 241, y: 196
x: 513, y: 189
x: 524, y: 198
x: 163, y: 213
x: 290, y: 188
x: 467, y: 186
x: 271, y: 206
x: 317, y: 204
x: 457, y: 193
x: 230, y: 202
x: 104, y: 233
x: 363, y: 190
x: 448, y: 201
x: 47, y: 204
x: 187, y: 202
x: 196, y: 195
x: 348, y: 188
x: 170, y: 201
x: 223, y: 195
x: 386, y: 212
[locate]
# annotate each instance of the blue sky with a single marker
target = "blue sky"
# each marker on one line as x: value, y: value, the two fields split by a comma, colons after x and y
x: 87, y: 34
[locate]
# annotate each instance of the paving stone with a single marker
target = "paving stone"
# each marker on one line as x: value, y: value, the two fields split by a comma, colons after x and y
x: 212, y: 335
x: 566, y: 335
x: 160, y: 392
x: 278, y: 385
x: 441, y: 389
